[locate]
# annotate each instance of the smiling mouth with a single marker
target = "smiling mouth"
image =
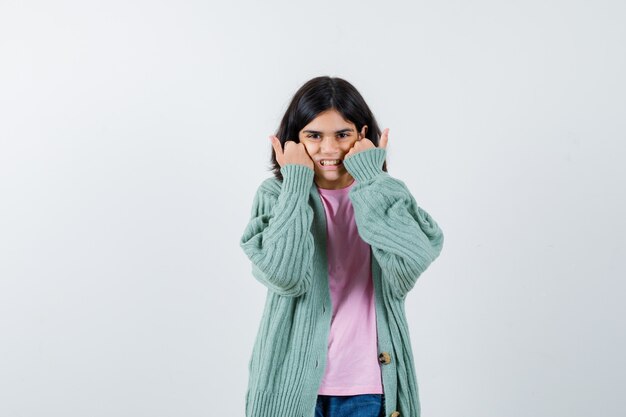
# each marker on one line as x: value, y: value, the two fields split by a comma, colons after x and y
x: 330, y: 162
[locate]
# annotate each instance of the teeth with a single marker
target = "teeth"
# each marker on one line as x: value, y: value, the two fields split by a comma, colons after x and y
x: 330, y: 162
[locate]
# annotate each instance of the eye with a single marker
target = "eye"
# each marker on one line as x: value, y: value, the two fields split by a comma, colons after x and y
x: 310, y: 135
x: 344, y: 135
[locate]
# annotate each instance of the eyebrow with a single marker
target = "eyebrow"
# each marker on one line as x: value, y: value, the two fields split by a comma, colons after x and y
x: 338, y: 131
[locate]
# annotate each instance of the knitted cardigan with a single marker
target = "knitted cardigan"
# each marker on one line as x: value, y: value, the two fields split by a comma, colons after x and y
x: 285, y: 241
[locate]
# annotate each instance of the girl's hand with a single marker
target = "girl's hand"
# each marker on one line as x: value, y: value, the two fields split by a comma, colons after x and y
x: 294, y: 153
x: 364, y: 143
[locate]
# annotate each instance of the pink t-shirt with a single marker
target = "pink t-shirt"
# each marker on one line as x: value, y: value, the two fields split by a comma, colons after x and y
x: 352, y: 366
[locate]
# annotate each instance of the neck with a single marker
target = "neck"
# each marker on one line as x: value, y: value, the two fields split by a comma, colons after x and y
x: 334, y: 185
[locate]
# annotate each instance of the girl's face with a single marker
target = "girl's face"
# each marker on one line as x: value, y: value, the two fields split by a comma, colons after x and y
x: 329, y: 137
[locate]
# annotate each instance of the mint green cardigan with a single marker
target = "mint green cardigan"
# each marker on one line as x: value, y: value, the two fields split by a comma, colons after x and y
x: 285, y: 241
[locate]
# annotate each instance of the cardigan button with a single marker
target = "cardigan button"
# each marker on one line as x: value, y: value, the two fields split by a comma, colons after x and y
x: 384, y: 358
x: 395, y: 414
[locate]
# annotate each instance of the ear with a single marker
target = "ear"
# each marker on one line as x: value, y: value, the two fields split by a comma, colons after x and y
x: 363, y: 131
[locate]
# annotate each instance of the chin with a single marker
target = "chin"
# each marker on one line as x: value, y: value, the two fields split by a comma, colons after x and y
x: 331, y: 177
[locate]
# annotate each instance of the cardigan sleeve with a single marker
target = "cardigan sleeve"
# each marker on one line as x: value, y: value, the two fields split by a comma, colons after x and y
x: 404, y: 238
x: 278, y: 239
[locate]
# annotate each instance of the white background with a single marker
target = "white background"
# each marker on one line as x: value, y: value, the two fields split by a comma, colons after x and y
x: 133, y: 135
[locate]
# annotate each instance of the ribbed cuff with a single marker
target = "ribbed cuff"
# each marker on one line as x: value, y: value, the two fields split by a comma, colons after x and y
x: 297, y: 178
x: 366, y: 164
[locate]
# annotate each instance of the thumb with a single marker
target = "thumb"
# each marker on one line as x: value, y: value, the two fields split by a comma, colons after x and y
x: 384, y: 139
x: 276, y: 145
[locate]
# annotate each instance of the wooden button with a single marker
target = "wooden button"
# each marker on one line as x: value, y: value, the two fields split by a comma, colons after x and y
x: 384, y: 358
x: 395, y: 414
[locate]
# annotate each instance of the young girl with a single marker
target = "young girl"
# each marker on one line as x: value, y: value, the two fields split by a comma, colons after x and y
x: 338, y: 243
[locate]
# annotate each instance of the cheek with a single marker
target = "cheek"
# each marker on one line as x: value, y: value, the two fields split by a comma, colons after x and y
x: 311, y: 148
x: 348, y: 145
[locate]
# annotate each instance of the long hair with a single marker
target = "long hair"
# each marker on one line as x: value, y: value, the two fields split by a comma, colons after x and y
x: 320, y: 94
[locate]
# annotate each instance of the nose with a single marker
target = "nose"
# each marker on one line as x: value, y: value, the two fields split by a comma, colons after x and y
x: 329, y: 146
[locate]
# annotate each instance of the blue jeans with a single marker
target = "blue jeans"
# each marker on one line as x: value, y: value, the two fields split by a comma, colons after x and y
x: 363, y: 405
